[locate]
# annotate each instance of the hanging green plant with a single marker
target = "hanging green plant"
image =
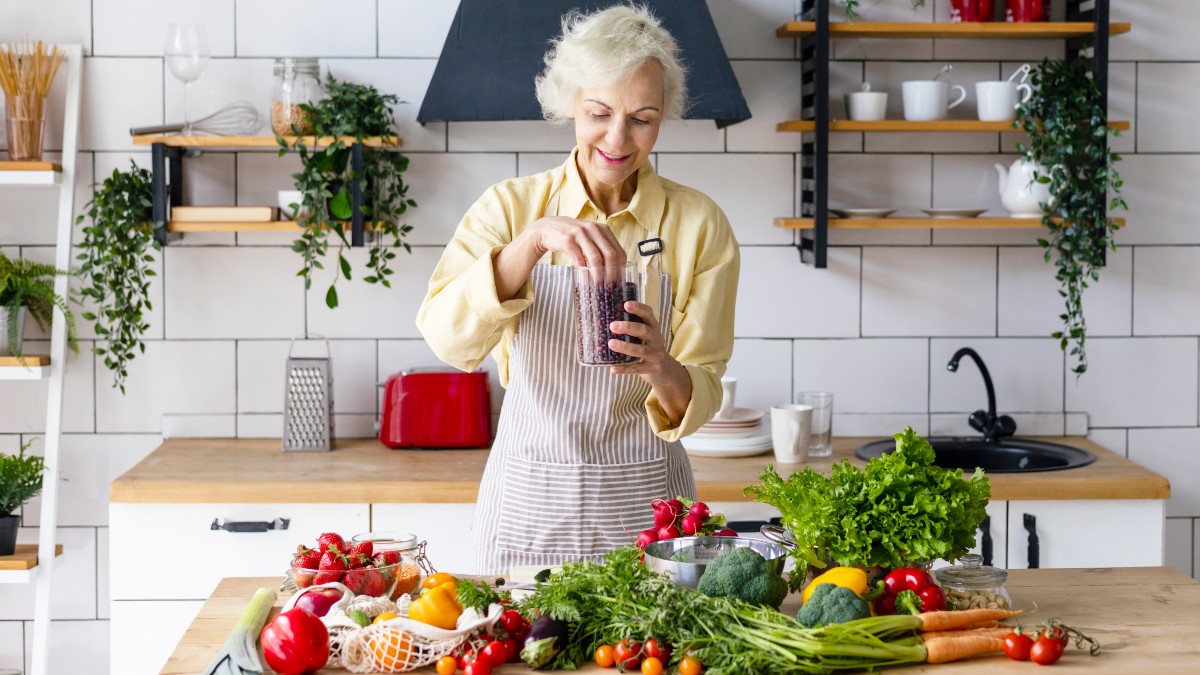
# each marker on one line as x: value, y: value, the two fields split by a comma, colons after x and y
x: 326, y: 181
x: 1067, y: 127
x: 850, y: 7
x: 116, y: 266
x: 30, y: 285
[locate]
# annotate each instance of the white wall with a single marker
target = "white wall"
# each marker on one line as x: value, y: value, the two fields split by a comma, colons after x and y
x: 876, y: 327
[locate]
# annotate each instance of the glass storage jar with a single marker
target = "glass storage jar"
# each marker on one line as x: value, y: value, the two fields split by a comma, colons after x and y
x: 973, y: 585
x: 414, y: 566
x: 297, y: 81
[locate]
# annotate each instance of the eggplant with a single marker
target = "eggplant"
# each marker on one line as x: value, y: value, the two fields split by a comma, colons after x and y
x: 547, y: 637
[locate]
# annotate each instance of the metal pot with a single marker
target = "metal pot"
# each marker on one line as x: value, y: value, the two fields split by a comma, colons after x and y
x: 694, y: 553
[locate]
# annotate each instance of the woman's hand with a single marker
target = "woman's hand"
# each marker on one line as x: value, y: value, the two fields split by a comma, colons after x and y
x: 666, y: 376
x: 589, y: 244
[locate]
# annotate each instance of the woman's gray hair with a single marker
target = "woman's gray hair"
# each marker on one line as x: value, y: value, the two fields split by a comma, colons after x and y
x: 598, y: 49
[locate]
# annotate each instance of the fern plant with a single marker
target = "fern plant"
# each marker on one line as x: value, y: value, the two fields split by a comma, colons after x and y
x: 28, y: 284
x: 20, y: 479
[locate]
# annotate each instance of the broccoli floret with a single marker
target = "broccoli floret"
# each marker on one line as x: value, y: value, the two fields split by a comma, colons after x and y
x: 830, y: 603
x: 743, y: 574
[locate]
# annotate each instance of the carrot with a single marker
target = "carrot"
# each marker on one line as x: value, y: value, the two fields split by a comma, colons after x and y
x: 946, y: 649
x: 978, y: 631
x: 967, y: 618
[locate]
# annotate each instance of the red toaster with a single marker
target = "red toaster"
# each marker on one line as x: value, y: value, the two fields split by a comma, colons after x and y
x: 436, y: 409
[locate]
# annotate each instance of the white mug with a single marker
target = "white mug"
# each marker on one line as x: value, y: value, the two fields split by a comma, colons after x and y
x: 866, y: 106
x: 728, y: 392
x: 998, y: 100
x: 926, y: 100
x: 791, y: 431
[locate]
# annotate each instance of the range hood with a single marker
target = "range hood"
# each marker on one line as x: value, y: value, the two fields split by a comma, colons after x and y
x: 495, y: 49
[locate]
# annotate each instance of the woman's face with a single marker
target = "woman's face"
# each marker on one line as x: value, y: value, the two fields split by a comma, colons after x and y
x: 616, y: 126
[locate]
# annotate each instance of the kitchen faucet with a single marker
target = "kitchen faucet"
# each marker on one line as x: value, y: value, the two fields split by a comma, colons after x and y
x: 993, y: 428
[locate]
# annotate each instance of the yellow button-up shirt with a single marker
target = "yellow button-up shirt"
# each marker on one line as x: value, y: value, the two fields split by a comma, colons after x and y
x: 462, y: 318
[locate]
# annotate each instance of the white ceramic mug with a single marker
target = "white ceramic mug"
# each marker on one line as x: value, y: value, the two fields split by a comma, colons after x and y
x: 997, y: 101
x: 866, y: 106
x: 728, y: 392
x: 791, y: 430
x: 926, y: 100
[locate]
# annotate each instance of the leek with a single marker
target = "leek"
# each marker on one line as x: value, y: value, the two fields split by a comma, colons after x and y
x: 239, y: 654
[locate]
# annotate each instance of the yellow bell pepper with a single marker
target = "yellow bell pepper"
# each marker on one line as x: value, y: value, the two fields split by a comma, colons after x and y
x: 437, y: 606
x: 848, y: 577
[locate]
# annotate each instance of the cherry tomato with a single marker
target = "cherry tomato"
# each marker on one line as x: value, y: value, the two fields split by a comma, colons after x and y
x: 656, y: 649
x: 886, y: 604
x: 1046, y: 650
x: 604, y: 656
x: 514, y: 649
x: 511, y: 620
x: 932, y: 599
x: 447, y: 665
x: 652, y: 666
x: 690, y: 665
x: 495, y: 653
x: 628, y: 654
x: 467, y: 658
x: 1058, y: 633
x: 480, y: 667
x: 1017, y: 646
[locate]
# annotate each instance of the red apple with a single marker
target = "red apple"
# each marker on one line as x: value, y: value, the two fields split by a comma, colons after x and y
x: 319, y: 600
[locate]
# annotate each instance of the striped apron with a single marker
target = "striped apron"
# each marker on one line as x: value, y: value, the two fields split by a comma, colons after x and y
x: 575, y: 462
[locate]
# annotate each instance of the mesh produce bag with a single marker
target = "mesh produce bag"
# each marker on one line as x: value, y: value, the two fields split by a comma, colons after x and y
x: 401, y: 644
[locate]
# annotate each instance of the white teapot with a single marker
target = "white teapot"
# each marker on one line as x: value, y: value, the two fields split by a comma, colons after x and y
x: 1019, y: 192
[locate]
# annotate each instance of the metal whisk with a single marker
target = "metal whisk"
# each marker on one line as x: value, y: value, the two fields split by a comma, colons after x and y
x: 236, y: 119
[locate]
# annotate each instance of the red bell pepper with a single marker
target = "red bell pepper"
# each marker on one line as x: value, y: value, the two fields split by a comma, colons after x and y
x: 296, y: 642
x: 910, y: 590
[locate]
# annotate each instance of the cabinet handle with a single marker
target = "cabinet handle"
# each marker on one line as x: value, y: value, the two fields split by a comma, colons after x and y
x: 250, y: 525
x: 750, y: 525
x: 1034, y: 547
x: 985, y: 540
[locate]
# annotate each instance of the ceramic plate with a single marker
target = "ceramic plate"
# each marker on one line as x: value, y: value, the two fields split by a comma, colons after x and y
x: 862, y: 213
x: 746, y: 447
x: 953, y: 213
x: 727, y: 432
x: 740, y: 417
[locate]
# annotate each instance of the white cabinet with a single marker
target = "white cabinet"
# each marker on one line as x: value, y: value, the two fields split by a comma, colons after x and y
x: 1088, y: 533
x: 997, y: 531
x: 144, y: 633
x: 445, y: 527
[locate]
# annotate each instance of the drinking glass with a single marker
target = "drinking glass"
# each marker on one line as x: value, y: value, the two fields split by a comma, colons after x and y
x: 820, y: 443
x: 187, y: 55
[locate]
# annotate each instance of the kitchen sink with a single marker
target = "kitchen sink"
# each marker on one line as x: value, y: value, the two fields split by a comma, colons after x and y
x: 1007, y: 455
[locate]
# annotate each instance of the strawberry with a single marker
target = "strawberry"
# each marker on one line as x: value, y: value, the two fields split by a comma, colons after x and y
x: 331, y: 541
x: 330, y: 561
x: 308, y: 559
x: 327, y: 577
x: 357, y: 561
x: 355, y: 580
x: 375, y: 584
x: 362, y: 548
x: 385, y: 558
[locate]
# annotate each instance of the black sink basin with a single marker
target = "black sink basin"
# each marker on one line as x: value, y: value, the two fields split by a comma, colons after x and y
x: 1008, y: 455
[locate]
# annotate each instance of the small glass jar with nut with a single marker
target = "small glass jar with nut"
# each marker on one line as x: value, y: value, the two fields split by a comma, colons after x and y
x: 973, y: 585
x: 297, y: 82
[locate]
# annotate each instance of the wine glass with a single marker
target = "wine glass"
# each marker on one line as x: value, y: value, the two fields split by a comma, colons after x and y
x: 187, y: 55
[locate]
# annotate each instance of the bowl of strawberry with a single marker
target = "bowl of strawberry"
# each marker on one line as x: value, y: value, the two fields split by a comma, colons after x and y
x: 355, y: 564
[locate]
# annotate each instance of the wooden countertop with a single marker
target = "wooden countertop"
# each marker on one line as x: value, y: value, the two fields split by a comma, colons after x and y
x: 1146, y: 619
x: 364, y: 471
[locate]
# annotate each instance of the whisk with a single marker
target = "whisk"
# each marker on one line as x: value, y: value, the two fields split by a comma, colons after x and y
x: 236, y: 119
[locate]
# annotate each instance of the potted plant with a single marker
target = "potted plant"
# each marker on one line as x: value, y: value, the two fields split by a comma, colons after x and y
x: 20, y: 481
x: 28, y: 287
x: 850, y: 7
x: 116, y: 265
x: 325, y: 182
x: 1066, y: 124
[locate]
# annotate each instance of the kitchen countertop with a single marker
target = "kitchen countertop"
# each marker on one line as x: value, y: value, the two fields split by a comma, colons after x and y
x: 1146, y: 619
x: 365, y: 471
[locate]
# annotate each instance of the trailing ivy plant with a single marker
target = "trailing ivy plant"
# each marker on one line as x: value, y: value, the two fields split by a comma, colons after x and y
x: 20, y: 479
x: 116, y: 267
x: 30, y: 284
x: 851, y: 7
x: 1067, y: 127
x: 326, y: 180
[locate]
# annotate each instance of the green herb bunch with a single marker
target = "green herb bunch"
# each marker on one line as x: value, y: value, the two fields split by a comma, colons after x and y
x: 327, y: 179
x: 900, y: 509
x: 116, y: 265
x: 20, y: 479
x: 1067, y: 127
x: 25, y: 283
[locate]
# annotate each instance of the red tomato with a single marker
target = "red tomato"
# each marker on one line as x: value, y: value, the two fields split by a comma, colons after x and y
x: 656, y: 649
x: 652, y: 666
x: 447, y: 665
x: 511, y: 620
x: 932, y: 599
x: 495, y: 653
x: 1058, y: 633
x: 514, y: 649
x: 690, y: 665
x: 467, y: 658
x: 628, y: 654
x: 1046, y: 650
x: 604, y: 656
x: 480, y: 667
x: 1017, y: 646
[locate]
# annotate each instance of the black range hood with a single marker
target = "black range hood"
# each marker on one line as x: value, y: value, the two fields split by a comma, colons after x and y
x: 495, y: 49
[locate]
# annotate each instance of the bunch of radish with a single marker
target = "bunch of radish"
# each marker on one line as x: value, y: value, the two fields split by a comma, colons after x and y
x: 678, y: 517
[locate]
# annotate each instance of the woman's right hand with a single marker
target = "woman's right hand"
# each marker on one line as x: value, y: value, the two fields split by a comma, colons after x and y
x: 588, y: 243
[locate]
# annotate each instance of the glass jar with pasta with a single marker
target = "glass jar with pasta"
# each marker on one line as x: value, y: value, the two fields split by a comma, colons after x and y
x: 297, y: 82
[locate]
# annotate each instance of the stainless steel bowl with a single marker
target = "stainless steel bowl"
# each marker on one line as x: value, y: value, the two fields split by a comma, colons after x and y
x: 685, y: 558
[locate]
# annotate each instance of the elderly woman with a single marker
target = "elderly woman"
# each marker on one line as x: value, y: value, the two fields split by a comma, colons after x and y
x: 580, y: 452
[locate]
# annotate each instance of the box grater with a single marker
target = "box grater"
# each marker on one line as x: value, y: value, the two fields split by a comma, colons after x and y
x: 308, y: 402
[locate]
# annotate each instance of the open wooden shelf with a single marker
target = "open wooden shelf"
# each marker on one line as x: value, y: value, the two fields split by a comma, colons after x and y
x: 34, y: 368
x: 990, y: 30
x: 30, y: 173
x: 235, y: 142
x: 31, y: 360
x: 25, y: 558
x: 918, y: 223
x: 806, y: 126
x: 243, y: 226
x: 30, y: 166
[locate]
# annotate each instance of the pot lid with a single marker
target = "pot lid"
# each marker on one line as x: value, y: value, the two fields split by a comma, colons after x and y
x: 971, y: 573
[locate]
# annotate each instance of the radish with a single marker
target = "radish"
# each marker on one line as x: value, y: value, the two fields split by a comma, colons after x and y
x: 699, y: 509
x: 676, y: 507
x: 726, y: 533
x: 692, y: 523
x: 663, y: 517
x: 668, y: 532
x: 646, y: 538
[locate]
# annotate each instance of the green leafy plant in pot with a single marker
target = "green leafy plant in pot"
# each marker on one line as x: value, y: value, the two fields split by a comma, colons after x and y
x: 116, y: 265
x: 1067, y: 126
x: 357, y: 111
x: 26, y: 285
x: 20, y: 480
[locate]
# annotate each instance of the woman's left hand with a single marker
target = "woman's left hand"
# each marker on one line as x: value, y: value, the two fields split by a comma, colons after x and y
x: 665, y: 375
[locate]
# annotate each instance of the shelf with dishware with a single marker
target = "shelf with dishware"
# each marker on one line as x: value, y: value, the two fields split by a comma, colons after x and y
x: 932, y: 223
x: 29, y: 367
x: 809, y: 126
x: 989, y: 30
x: 260, y: 142
x: 182, y: 226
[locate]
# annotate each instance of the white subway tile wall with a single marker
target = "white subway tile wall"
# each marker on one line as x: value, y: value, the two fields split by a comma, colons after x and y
x: 876, y: 327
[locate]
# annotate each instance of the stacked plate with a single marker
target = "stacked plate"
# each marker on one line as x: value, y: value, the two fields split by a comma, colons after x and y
x: 739, y: 434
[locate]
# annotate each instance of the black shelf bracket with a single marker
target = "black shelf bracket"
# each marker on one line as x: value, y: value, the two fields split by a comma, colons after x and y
x: 814, y: 158
x: 1094, y: 50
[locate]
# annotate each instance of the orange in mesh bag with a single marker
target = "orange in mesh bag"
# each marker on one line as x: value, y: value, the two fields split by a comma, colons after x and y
x: 402, y: 644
